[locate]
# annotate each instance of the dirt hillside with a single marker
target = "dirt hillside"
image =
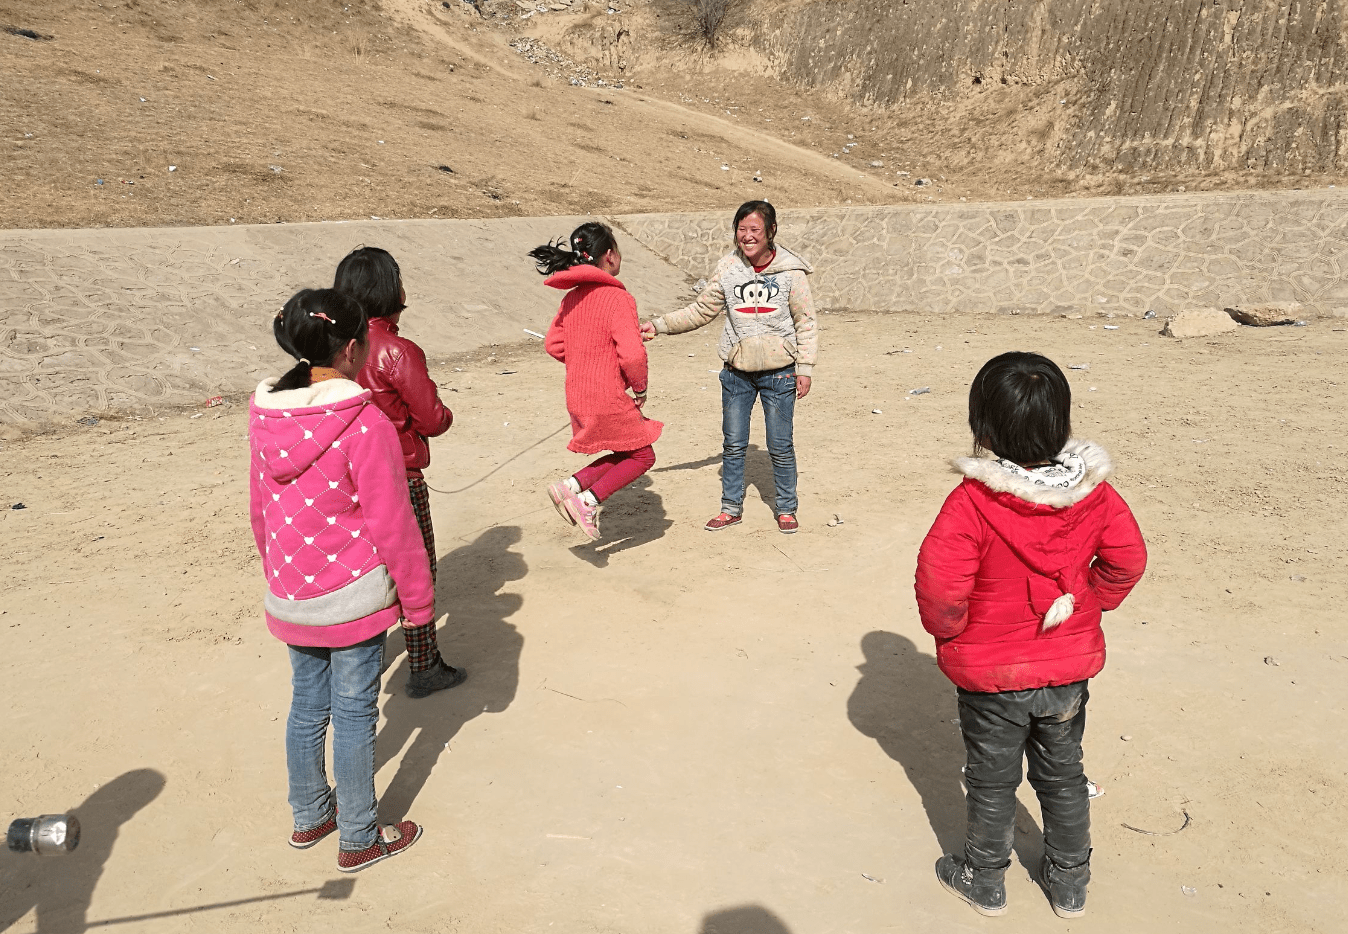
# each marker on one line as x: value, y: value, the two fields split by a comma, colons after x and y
x: 280, y: 110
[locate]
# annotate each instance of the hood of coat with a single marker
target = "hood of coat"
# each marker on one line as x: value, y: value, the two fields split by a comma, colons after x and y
x: 295, y: 427
x: 784, y: 261
x: 584, y: 274
x: 1037, y: 520
x: 1077, y: 471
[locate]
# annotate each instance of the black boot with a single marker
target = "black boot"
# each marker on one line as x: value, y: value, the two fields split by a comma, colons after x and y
x: 438, y: 678
x: 983, y: 889
x: 1065, y: 888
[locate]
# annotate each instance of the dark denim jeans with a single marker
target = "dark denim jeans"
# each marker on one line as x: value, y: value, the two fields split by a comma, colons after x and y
x: 739, y: 391
x: 1044, y: 725
x: 341, y: 685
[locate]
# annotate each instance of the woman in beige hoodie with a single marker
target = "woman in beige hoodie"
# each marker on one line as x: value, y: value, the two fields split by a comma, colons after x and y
x: 768, y: 345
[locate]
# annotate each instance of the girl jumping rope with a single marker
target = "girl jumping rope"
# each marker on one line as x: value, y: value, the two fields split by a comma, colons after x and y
x: 597, y: 336
x: 1011, y: 580
x: 395, y: 373
x: 343, y: 560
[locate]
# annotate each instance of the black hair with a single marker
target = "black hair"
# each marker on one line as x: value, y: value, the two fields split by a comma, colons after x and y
x: 371, y: 276
x: 764, y: 210
x: 588, y: 242
x: 1020, y: 407
x: 313, y: 327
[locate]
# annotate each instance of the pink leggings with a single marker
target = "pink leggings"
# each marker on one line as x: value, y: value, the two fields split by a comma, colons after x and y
x: 612, y: 472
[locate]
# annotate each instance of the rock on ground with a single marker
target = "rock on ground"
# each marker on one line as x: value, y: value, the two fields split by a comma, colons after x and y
x: 1198, y: 322
x: 1262, y: 316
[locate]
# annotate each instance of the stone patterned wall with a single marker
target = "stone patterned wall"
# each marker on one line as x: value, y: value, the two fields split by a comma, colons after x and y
x: 141, y: 320
x: 1121, y: 255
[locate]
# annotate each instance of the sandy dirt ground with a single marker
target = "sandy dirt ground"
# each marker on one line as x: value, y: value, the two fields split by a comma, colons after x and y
x: 673, y: 731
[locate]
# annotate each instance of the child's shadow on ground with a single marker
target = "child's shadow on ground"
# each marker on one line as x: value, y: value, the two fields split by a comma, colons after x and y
x: 757, y: 473
x: 632, y: 517
x: 476, y: 636
x: 906, y: 704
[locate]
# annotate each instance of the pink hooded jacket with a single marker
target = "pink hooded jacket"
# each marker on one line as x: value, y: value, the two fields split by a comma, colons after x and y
x: 341, y: 550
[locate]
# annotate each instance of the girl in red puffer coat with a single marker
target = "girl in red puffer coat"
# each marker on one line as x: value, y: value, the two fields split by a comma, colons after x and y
x: 597, y: 336
x: 1011, y: 580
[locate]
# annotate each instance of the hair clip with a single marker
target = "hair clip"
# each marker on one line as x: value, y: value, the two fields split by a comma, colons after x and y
x: 319, y: 314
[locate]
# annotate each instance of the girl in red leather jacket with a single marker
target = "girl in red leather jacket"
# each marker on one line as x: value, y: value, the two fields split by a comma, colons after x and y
x: 1011, y: 580
x: 395, y: 372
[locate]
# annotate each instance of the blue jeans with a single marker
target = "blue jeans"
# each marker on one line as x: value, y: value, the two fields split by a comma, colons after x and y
x: 343, y: 685
x: 739, y: 390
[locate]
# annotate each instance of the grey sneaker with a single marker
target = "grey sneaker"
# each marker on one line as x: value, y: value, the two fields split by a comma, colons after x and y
x: 440, y: 678
x: 983, y: 889
x: 1065, y: 888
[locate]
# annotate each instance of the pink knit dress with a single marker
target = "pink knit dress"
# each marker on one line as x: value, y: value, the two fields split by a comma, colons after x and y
x: 597, y: 335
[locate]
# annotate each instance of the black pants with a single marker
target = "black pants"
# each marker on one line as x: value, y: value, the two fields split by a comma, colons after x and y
x: 1045, y: 724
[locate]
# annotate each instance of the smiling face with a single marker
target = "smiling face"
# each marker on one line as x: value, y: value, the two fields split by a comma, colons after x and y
x: 754, y: 239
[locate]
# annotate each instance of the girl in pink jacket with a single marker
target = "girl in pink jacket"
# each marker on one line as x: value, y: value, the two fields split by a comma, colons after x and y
x: 597, y: 336
x: 1011, y: 580
x: 343, y: 561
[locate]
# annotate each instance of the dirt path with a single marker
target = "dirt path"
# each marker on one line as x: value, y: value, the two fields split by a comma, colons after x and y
x: 679, y: 732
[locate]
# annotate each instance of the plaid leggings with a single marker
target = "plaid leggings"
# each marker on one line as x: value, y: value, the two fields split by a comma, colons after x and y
x: 423, y: 649
x: 421, y: 506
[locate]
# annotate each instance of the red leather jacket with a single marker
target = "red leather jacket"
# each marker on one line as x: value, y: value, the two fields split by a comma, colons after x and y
x: 396, y: 373
x: 1003, y: 552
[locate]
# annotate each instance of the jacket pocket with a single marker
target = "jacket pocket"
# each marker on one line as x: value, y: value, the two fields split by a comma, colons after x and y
x: 760, y: 352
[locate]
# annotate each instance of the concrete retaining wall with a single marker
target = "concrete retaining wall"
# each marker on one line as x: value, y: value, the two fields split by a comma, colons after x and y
x: 1122, y: 255
x: 139, y: 320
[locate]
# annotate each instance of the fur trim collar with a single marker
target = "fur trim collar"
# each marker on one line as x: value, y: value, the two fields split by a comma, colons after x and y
x: 328, y: 392
x: 986, y: 470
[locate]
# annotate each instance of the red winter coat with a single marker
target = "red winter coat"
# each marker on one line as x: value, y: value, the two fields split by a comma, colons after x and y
x: 995, y: 571
x: 597, y: 336
x: 396, y: 373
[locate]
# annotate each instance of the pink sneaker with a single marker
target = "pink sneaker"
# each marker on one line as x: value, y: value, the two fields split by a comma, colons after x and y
x: 558, y: 492
x: 584, y: 515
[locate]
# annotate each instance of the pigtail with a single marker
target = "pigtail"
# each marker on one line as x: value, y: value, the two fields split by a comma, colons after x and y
x: 551, y: 257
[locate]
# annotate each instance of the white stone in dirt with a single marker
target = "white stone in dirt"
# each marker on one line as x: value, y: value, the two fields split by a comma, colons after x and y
x: 1198, y: 322
x: 1263, y: 316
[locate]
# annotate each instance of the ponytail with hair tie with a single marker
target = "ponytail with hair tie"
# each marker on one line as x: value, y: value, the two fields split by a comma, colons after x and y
x: 587, y: 241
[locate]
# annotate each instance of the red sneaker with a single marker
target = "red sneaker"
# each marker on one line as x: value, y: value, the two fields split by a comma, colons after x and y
x: 787, y: 524
x: 722, y: 521
x: 303, y: 839
x: 390, y: 841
